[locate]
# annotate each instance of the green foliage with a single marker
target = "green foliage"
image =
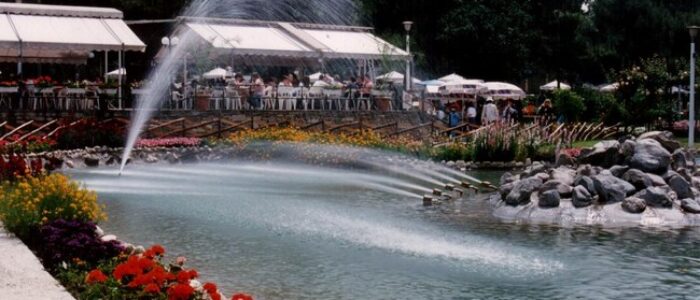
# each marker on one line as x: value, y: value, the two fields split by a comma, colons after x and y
x: 570, y: 105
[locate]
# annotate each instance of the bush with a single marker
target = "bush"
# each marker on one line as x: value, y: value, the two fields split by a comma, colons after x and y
x: 73, y: 241
x: 453, y: 151
x: 496, y: 143
x: 34, y: 201
x: 569, y: 105
x: 16, y: 166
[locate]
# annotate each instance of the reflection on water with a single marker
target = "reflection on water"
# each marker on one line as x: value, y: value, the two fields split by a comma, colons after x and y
x: 282, y: 230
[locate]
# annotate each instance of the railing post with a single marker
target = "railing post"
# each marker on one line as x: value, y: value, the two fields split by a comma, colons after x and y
x: 219, y: 129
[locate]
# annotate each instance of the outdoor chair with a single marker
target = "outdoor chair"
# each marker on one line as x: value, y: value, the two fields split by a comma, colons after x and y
x: 286, y: 98
x: 332, y: 96
x: 233, y: 100
x: 315, y: 95
x: 216, y: 98
x: 268, y: 98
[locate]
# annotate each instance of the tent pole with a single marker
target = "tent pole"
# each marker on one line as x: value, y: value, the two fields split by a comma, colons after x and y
x: 106, y: 65
x: 119, y: 76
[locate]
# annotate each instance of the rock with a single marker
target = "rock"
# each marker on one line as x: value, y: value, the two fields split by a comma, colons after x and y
x: 172, y: 158
x: 651, y: 157
x: 664, y: 138
x: 151, y: 159
x: 522, y: 190
x: 563, y: 175
x: 656, y: 180
x: 604, y: 154
x: 581, y: 197
x: 685, y: 174
x: 634, y: 205
x: 450, y: 164
x: 534, y: 169
x: 618, y: 171
x: 627, y: 150
x: 681, y: 186
x: 585, y: 170
x: 565, y: 160
x: 542, y: 176
x: 690, y: 206
x: 91, y: 161
x: 505, y: 189
x: 549, y: 199
x: 587, y: 183
x: 669, y: 192
x: 507, y: 178
x: 679, y: 159
x: 562, y: 189
x: 638, y: 179
x: 69, y: 164
x: 655, y: 197
x: 612, y: 189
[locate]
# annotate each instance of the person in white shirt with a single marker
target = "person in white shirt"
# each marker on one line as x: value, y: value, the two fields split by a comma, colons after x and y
x: 321, y: 82
x: 489, y: 115
x: 471, y: 114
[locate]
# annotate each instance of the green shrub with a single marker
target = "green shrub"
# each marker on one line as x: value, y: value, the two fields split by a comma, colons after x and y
x: 569, y: 105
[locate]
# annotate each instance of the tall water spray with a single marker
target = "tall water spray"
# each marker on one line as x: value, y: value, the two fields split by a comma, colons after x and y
x: 339, y: 12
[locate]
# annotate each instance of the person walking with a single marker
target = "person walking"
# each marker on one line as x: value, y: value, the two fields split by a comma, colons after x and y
x: 546, y: 112
x: 471, y: 115
x: 489, y: 115
x: 510, y: 114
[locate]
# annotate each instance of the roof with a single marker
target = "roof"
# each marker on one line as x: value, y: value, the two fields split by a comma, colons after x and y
x: 64, y: 34
x: 293, y: 40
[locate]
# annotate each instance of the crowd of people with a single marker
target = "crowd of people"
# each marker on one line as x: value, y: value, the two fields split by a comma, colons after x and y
x: 489, y: 112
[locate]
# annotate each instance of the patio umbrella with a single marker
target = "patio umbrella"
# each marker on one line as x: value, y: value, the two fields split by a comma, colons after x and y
x: 451, y: 77
x: 217, y: 73
x: 555, y: 85
x: 117, y: 72
x: 609, y: 88
x: 464, y: 86
x: 431, y: 86
x: 395, y: 77
x: 503, y: 90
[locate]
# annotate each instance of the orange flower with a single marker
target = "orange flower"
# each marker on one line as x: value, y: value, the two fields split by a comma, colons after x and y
x: 180, y: 292
x: 152, y: 289
x: 95, y: 276
x: 241, y: 296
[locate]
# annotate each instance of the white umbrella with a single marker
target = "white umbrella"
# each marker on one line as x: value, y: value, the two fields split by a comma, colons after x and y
x: 464, y: 86
x: 451, y: 77
x: 555, y: 85
x: 609, y: 88
x: 117, y: 72
x: 502, y: 90
x: 217, y: 73
x: 432, y: 86
x: 396, y: 77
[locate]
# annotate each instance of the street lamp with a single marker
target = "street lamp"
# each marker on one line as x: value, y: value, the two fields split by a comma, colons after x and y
x: 693, y: 30
x: 407, y: 26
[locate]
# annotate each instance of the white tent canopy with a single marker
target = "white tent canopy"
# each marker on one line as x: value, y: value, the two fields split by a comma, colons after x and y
x: 61, y: 34
x: 503, y: 91
x: 432, y: 86
x: 555, y: 85
x: 217, y: 73
x: 396, y: 77
x: 451, y: 77
x: 289, y: 40
x: 317, y: 76
x: 464, y: 86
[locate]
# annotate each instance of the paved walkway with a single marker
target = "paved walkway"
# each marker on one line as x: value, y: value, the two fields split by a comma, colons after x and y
x: 22, y: 276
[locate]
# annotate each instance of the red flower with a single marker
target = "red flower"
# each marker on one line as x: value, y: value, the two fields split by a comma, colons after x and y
x: 210, y: 287
x: 180, y: 292
x: 241, y: 296
x: 152, y: 289
x: 156, y: 250
x: 95, y: 276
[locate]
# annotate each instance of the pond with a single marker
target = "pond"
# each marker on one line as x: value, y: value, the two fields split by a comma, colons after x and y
x: 349, y: 224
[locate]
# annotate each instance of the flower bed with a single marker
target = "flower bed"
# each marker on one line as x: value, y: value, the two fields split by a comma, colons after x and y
x: 57, y: 217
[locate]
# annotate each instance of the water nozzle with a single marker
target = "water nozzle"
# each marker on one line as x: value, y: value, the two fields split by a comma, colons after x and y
x: 459, y: 192
x: 437, y: 192
x: 489, y: 185
x: 427, y: 200
x: 450, y: 187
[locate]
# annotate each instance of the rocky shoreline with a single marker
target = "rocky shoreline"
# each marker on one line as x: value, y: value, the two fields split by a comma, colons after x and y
x: 650, y: 180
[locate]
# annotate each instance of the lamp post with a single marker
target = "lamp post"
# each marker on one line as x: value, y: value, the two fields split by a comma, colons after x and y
x: 407, y: 26
x: 693, y: 30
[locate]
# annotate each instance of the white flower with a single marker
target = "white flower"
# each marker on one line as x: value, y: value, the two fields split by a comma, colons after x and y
x: 195, y: 284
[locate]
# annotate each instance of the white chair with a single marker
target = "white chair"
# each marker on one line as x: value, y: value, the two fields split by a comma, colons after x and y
x: 304, y: 95
x: 177, y: 100
x: 315, y: 93
x: 233, y: 100
x: 332, y: 96
x: 268, y: 98
x: 285, y: 98
x: 217, y: 97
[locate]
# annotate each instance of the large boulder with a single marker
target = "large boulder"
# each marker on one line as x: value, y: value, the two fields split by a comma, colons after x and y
x: 522, y: 190
x: 605, y: 154
x: 505, y: 189
x: 564, y: 159
x: 655, y: 197
x: 91, y: 161
x: 639, y: 179
x: 627, y: 150
x: 649, y: 156
x: 679, y: 159
x: 690, y: 206
x: 563, y: 175
x: 611, y: 189
x: 634, y: 205
x: 681, y: 186
x: 562, y: 189
x: 587, y: 183
x: 549, y: 199
x: 535, y: 168
x: 656, y: 179
x: 581, y: 197
x: 618, y: 171
x: 586, y: 170
x: 664, y: 138
x: 507, y: 178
